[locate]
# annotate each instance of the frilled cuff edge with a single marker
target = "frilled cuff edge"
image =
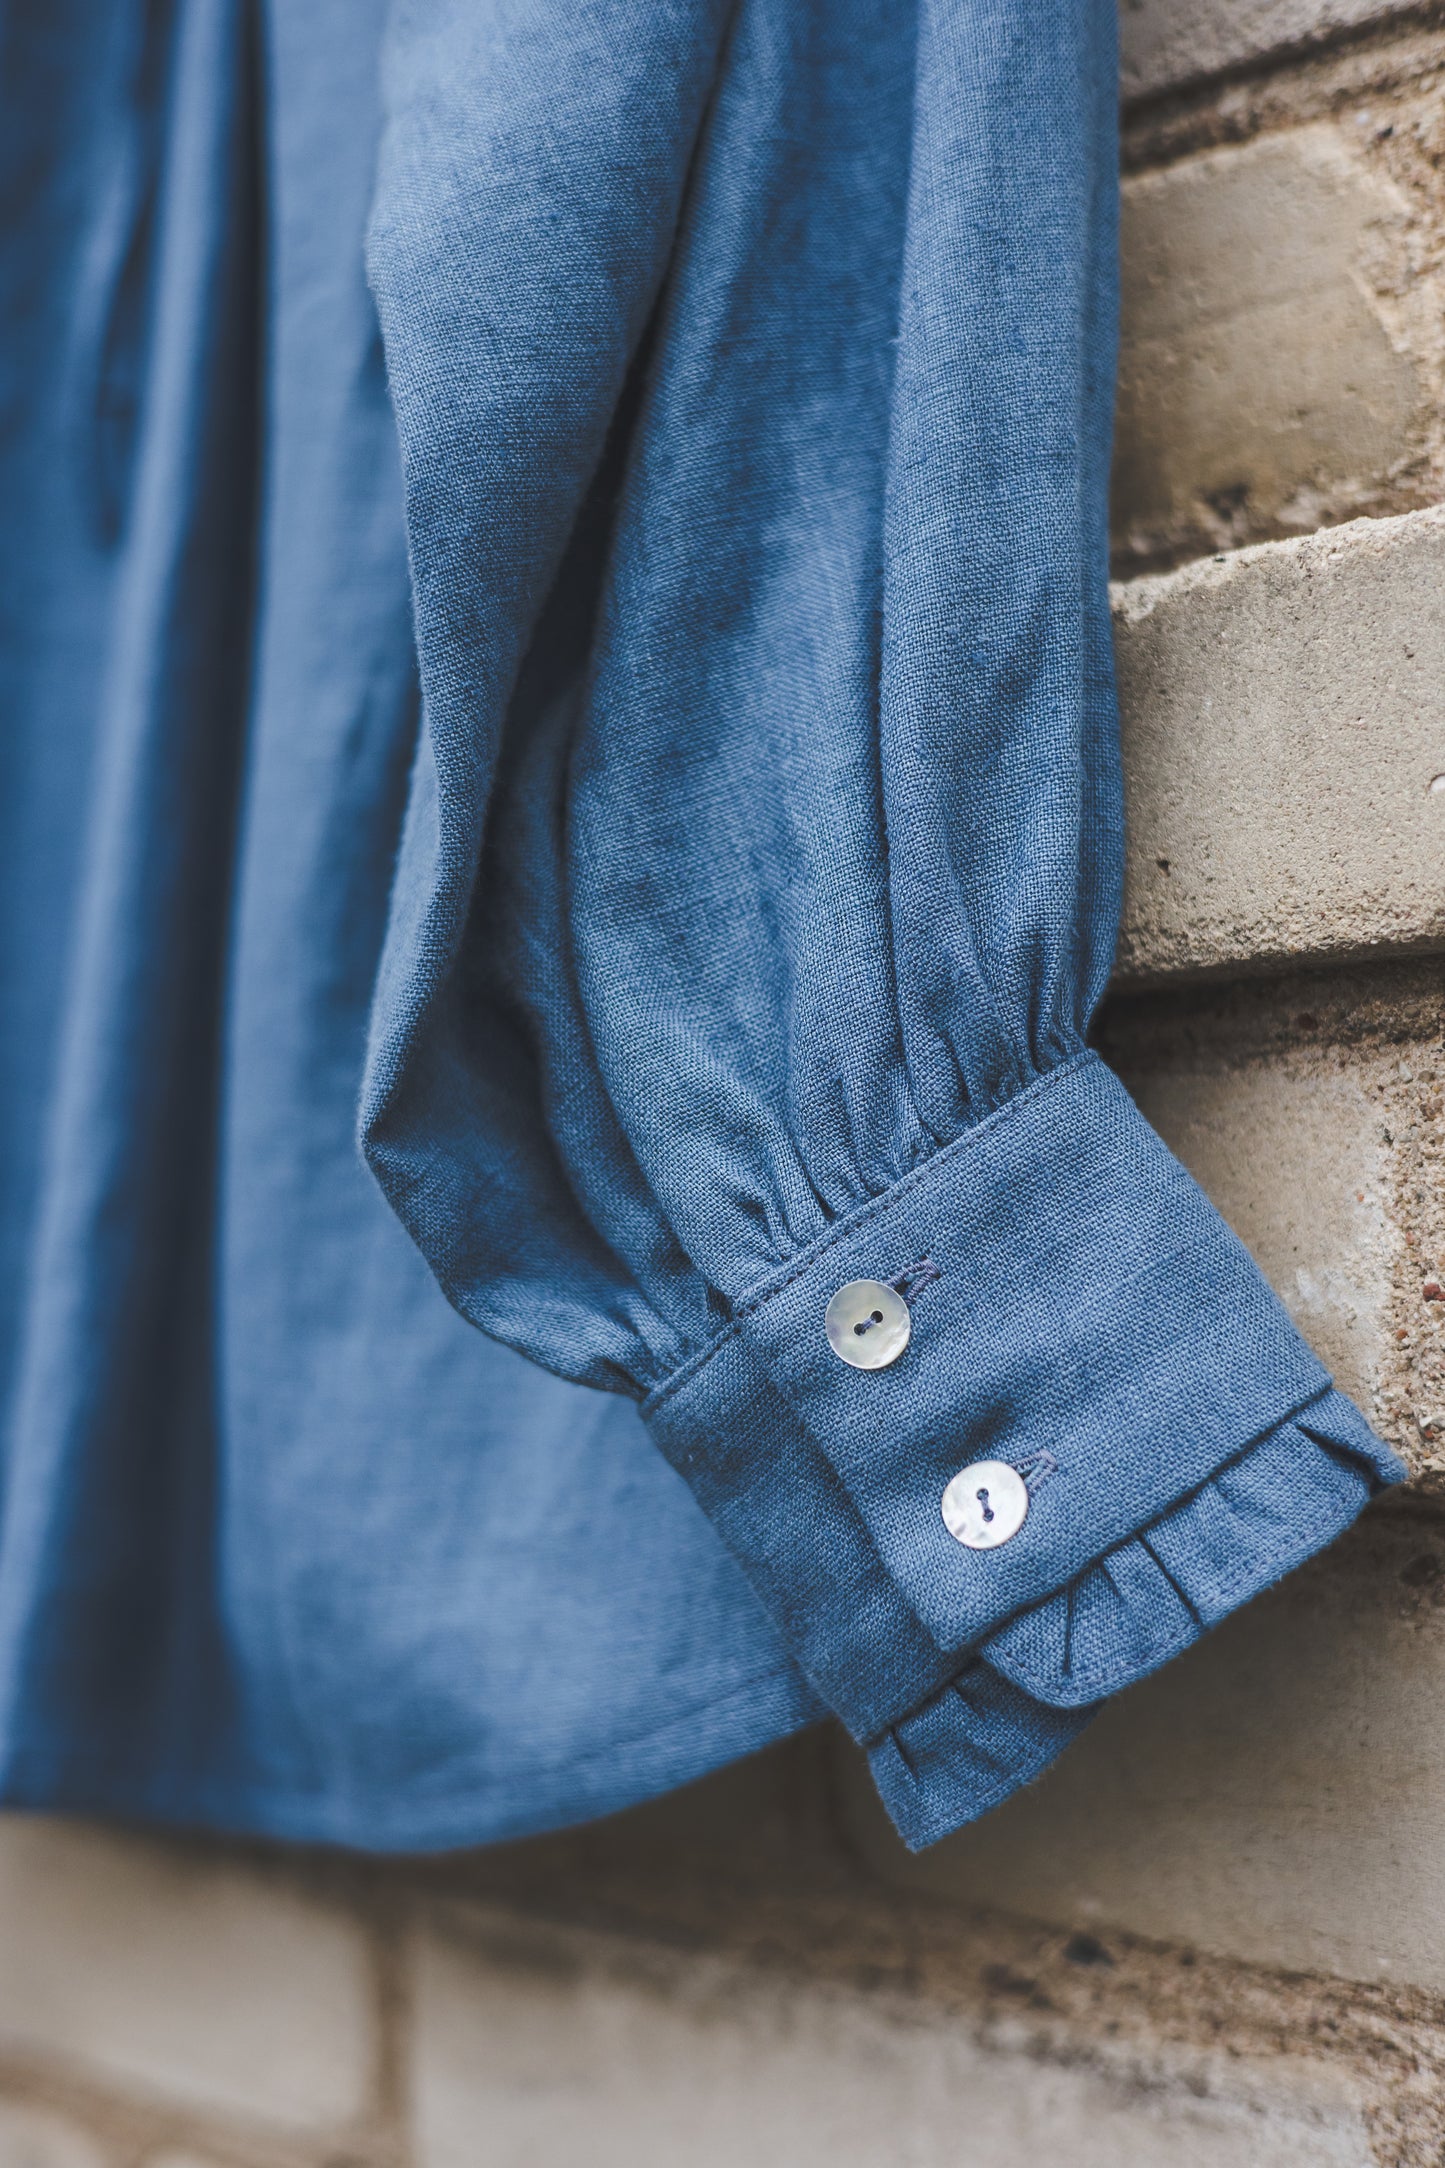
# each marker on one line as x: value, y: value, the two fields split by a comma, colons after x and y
x: 1034, y: 1685
x: 1086, y: 1309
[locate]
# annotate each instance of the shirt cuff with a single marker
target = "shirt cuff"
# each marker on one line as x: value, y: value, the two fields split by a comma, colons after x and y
x: 1085, y: 1316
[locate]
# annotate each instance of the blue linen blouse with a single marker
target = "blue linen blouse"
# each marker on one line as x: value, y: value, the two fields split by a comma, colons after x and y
x: 625, y: 698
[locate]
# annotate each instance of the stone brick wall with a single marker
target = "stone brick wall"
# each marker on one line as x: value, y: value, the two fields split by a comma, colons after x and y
x: 1214, y: 1937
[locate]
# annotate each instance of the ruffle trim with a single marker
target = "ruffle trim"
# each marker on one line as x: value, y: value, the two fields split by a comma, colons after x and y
x: 1034, y: 1684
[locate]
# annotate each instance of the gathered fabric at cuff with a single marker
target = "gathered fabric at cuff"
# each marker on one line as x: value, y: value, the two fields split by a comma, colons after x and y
x: 1082, y: 1311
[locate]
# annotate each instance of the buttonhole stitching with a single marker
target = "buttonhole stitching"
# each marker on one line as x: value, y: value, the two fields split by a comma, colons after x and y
x: 911, y: 1281
x: 1035, y: 1468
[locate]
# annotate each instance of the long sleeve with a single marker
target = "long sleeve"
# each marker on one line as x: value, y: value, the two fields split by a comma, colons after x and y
x: 753, y: 368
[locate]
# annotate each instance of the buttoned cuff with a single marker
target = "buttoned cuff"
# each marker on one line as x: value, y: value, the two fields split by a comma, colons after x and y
x: 1078, y: 1311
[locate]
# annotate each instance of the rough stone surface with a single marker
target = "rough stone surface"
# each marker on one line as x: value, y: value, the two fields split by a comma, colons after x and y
x: 1148, y: 2016
x: 1284, y: 733
x: 1291, y: 1149
x: 563, y: 2047
x: 36, y: 2138
x: 1260, y: 387
x: 1293, y: 1155
x: 173, y: 2157
x: 181, y: 1975
x: 1166, y: 44
x: 1312, y: 1109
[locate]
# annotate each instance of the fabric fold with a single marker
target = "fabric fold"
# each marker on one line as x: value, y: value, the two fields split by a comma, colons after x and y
x: 1150, y: 1597
x: 1036, y: 1683
x: 968, y: 1749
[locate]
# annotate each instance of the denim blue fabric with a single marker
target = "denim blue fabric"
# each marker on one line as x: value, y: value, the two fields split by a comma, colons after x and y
x: 285, y: 1545
x: 626, y: 703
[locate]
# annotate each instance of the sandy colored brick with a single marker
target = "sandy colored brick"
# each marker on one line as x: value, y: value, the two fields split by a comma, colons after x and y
x: 36, y: 2138
x: 1284, y: 752
x: 1260, y: 388
x: 181, y: 1975
x: 1293, y: 1153
x: 1312, y: 1109
x: 539, y: 2048
x: 1166, y: 44
x: 175, y: 2157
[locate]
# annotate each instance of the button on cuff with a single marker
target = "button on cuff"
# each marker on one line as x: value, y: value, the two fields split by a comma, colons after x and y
x: 868, y: 1324
x: 985, y: 1505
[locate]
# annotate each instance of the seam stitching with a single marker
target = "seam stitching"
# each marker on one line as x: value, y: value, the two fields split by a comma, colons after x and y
x: 1284, y: 1562
x: 941, y: 1822
x: 1281, y: 1563
x: 1159, y: 1656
